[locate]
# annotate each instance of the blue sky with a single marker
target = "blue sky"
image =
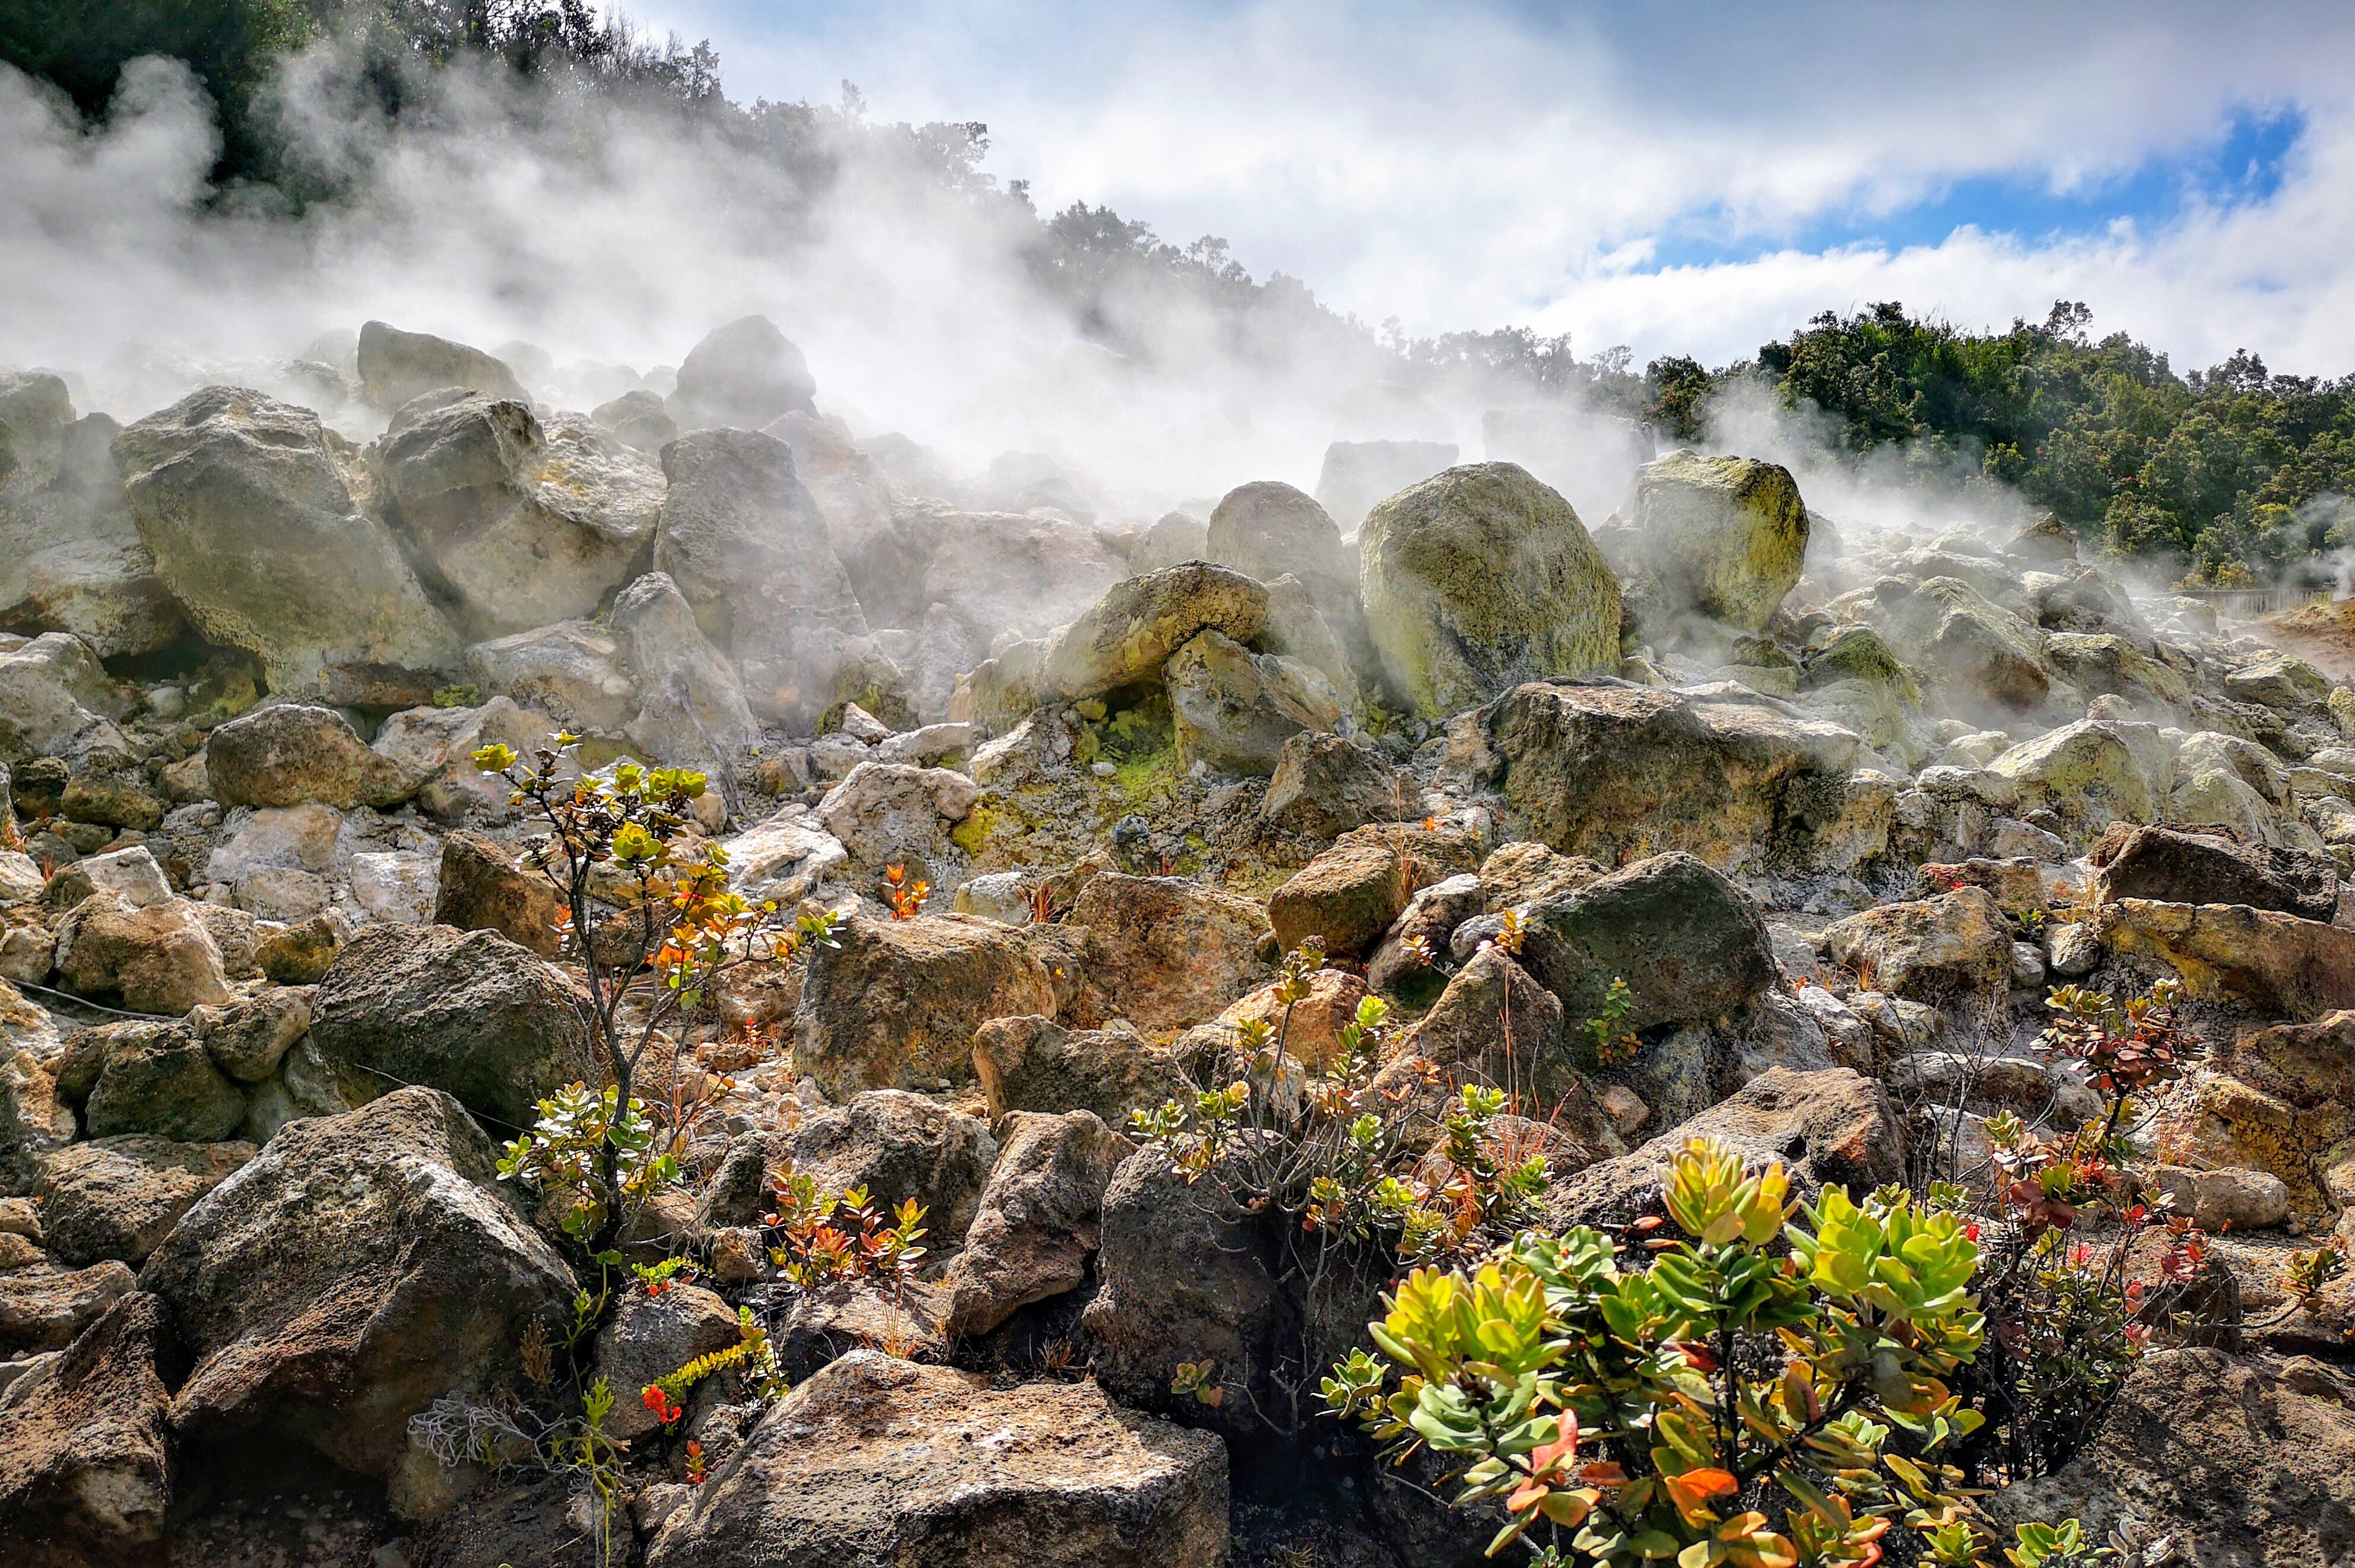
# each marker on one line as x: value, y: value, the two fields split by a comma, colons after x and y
x: 1694, y: 177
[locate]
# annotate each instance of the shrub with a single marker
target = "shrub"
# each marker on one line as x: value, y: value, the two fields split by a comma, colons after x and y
x: 645, y: 900
x: 1639, y: 1413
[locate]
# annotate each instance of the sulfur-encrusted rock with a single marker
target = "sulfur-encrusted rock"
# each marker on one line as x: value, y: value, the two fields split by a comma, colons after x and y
x: 1725, y: 536
x: 1128, y: 635
x: 2092, y: 774
x: 895, y: 1003
x: 1982, y: 655
x: 878, y: 1463
x: 2289, y: 967
x: 1234, y: 711
x: 1478, y: 578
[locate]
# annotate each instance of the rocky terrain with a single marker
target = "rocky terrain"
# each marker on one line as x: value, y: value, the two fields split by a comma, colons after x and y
x: 1715, y: 816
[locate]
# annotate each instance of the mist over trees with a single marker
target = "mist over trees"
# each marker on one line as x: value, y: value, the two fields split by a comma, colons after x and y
x: 2227, y: 475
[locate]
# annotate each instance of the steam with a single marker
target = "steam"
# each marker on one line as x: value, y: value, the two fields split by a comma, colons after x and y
x: 610, y: 237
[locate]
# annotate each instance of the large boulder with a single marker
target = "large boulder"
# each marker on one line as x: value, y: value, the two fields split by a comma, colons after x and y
x: 1182, y: 1282
x: 396, y: 366
x: 691, y: 707
x: 466, y: 1012
x: 291, y: 752
x: 482, y: 888
x: 524, y: 521
x: 1985, y: 658
x: 748, y: 549
x: 1691, y: 945
x: 894, y: 1004
x: 1725, y: 536
x: 1233, y: 710
x: 1607, y: 770
x: 75, y: 563
x: 143, y: 1076
x: 250, y: 508
x: 1268, y: 529
x: 2281, y: 964
x: 1128, y: 635
x: 363, y: 1266
x: 1348, y: 896
x: 1325, y: 785
x: 86, y: 1460
x: 2172, y: 866
x: 898, y: 1147
x: 2092, y: 774
x: 573, y: 671
x: 1162, y: 952
x: 1479, y: 579
x: 878, y: 1463
x: 2237, y: 1461
x: 744, y: 374
x: 1039, y: 1218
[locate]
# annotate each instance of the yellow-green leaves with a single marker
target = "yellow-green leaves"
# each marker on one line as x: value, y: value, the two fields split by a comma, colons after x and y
x: 494, y: 759
x: 1709, y: 1195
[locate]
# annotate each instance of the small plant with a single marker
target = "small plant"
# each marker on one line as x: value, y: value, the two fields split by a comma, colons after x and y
x: 588, y: 1150
x: 658, y: 1278
x: 1612, y: 1044
x: 907, y: 897
x: 458, y: 697
x: 819, y: 1237
x: 1198, y: 1379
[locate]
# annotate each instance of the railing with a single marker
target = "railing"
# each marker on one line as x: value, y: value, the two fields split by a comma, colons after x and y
x: 2247, y: 603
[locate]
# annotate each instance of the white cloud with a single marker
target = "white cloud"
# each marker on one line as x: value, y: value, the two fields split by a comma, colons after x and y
x: 1456, y: 168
